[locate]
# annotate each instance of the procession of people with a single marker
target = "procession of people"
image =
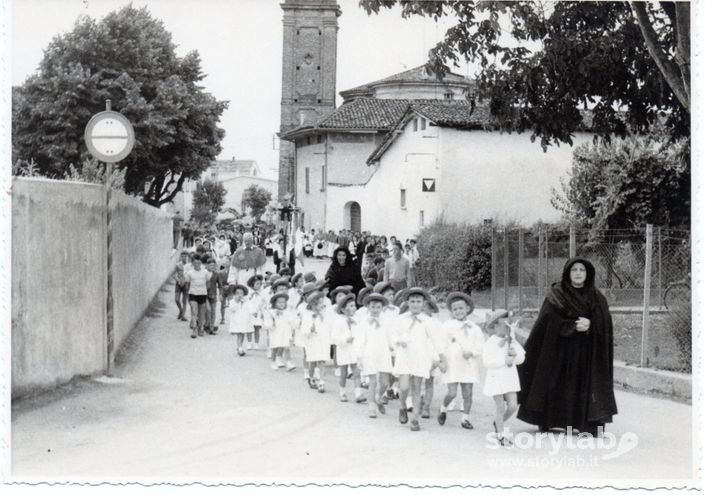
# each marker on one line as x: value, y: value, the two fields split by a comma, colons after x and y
x: 369, y: 326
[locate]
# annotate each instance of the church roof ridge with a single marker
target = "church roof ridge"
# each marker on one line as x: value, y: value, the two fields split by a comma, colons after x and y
x: 416, y: 74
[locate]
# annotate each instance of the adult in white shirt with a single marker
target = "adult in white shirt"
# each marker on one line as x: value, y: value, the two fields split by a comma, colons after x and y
x: 197, y: 280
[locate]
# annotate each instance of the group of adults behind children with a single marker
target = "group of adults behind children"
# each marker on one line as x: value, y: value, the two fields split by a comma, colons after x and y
x: 564, y: 380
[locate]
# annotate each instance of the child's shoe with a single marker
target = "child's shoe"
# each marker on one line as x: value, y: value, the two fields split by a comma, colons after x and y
x: 290, y: 366
x: 403, y: 416
x: 372, y: 413
x: 415, y: 425
x: 467, y: 425
x: 321, y: 386
x: 274, y: 366
x: 343, y: 396
x: 442, y: 418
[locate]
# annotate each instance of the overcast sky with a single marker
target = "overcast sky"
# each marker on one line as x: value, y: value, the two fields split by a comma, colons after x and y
x: 240, y: 43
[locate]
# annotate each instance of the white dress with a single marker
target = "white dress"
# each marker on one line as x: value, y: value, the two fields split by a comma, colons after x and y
x: 315, y: 334
x: 417, y: 357
x: 281, y: 326
x: 500, y: 378
x: 258, y: 304
x: 462, y: 336
x: 343, y: 329
x: 373, y: 347
x: 240, y: 316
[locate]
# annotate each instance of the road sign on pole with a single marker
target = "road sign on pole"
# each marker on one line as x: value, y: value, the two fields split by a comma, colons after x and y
x: 109, y: 136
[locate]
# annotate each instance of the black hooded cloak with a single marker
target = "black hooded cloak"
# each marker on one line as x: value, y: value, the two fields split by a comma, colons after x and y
x: 567, y: 376
x: 349, y: 274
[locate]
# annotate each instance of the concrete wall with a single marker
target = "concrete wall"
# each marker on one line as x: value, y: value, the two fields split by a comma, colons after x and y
x: 59, y: 277
x: 142, y: 244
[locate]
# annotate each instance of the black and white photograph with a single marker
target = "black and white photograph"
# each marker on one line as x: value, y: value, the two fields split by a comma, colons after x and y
x: 389, y: 245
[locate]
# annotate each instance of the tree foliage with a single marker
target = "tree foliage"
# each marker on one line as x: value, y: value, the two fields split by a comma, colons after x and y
x: 208, y: 199
x: 628, y: 183
x: 256, y: 198
x: 129, y: 58
x: 540, y: 62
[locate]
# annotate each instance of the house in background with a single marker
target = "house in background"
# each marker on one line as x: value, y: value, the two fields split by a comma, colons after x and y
x: 407, y: 149
x: 235, y: 175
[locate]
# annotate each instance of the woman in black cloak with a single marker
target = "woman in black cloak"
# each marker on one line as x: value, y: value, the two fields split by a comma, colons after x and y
x: 343, y: 271
x: 566, y: 378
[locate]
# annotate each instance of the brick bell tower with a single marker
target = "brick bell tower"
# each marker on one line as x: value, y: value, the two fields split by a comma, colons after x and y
x: 308, y: 73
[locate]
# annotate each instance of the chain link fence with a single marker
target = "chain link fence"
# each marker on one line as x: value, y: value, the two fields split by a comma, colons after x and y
x: 643, y: 273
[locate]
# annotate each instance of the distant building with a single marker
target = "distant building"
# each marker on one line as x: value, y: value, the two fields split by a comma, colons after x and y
x: 235, y: 175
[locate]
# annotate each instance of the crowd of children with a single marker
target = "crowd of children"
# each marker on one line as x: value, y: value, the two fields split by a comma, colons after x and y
x: 390, y: 343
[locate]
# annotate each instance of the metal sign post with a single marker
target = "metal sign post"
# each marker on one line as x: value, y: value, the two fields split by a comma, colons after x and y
x: 109, y: 138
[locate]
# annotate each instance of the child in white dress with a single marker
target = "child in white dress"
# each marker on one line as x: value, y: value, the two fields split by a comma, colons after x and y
x: 415, y: 353
x: 374, y: 353
x: 280, y: 322
x: 258, y: 304
x: 240, y: 315
x: 345, y: 332
x: 501, y: 354
x: 315, y: 331
x: 389, y: 313
x: 462, y: 351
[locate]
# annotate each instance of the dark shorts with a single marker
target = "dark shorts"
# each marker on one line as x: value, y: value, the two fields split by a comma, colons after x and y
x: 179, y: 289
x: 198, y: 299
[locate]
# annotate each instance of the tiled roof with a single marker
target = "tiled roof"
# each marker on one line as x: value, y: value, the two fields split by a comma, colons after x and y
x: 365, y: 113
x: 382, y: 114
x: 417, y: 74
x: 240, y: 166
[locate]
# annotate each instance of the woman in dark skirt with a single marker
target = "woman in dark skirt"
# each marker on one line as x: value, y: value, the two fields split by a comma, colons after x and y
x: 566, y: 379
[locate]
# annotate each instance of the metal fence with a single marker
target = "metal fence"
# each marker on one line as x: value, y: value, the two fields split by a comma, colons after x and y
x: 643, y: 273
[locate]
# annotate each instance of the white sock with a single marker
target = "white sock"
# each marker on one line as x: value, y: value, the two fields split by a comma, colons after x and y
x: 358, y: 392
x: 444, y: 408
x: 317, y: 373
x: 466, y: 417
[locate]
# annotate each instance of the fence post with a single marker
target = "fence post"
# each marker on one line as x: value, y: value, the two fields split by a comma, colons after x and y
x: 660, y: 272
x: 493, y: 291
x: 644, y: 362
x: 539, y: 274
x: 109, y: 331
x: 506, y: 269
x: 520, y: 270
x: 571, y: 241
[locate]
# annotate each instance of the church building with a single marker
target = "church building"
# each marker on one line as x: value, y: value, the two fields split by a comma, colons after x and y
x: 407, y: 149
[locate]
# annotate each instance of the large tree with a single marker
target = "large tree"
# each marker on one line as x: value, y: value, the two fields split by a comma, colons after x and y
x: 540, y: 62
x: 256, y: 198
x: 627, y: 183
x: 208, y: 199
x: 129, y: 58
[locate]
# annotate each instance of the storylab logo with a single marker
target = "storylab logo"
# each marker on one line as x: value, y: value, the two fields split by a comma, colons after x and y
x: 569, y: 447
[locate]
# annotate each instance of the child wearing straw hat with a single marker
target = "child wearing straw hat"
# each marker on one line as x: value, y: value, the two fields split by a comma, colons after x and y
x: 240, y: 315
x: 501, y: 354
x: 415, y: 353
x: 344, y: 334
x: 315, y: 331
x: 463, y: 345
x: 281, y: 323
x: 258, y: 305
x: 374, y: 353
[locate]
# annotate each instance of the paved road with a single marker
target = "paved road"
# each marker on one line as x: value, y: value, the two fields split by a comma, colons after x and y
x: 192, y: 409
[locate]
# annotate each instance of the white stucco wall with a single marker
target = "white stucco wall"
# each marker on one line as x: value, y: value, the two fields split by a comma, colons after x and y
x: 312, y: 203
x: 237, y: 185
x: 410, y: 159
x: 500, y: 176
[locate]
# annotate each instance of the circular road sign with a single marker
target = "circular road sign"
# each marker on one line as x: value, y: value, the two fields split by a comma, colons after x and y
x: 109, y: 136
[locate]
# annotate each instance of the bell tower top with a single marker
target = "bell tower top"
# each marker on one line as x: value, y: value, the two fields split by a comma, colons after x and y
x: 309, y: 60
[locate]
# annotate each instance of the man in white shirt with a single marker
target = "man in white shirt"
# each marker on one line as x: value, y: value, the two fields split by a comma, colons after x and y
x: 197, y: 281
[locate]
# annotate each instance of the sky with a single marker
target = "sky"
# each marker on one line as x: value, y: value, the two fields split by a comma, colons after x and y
x: 240, y: 43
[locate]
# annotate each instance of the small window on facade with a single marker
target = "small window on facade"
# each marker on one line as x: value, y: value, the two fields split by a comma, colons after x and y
x: 308, y: 140
x: 323, y: 177
x: 307, y: 181
x: 320, y: 138
x: 421, y: 219
x: 423, y: 124
x: 402, y: 198
x: 448, y: 96
x: 416, y: 125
